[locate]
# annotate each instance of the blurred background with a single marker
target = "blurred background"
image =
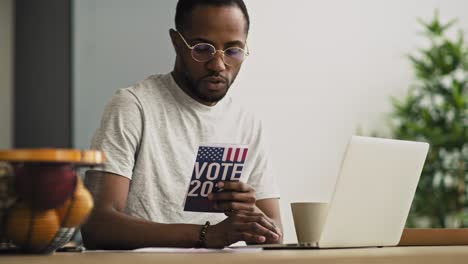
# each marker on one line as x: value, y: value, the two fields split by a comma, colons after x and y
x: 319, y: 72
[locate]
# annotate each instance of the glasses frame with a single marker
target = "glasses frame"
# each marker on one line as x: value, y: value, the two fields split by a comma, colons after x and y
x: 245, y: 51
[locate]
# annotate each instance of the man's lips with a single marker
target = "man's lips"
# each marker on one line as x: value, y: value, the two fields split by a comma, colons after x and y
x: 215, y: 83
x: 215, y: 80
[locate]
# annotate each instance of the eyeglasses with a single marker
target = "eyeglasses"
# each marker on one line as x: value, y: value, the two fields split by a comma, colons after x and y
x: 203, y: 52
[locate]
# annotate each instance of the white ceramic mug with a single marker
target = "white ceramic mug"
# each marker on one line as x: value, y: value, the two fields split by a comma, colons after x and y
x: 309, y: 218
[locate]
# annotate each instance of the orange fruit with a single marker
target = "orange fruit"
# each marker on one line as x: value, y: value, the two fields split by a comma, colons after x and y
x: 31, y: 229
x: 76, y: 208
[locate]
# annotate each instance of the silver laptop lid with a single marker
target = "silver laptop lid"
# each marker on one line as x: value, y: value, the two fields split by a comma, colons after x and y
x: 373, y: 192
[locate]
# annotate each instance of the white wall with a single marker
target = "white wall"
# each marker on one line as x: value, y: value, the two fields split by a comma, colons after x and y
x: 115, y: 44
x: 6, y: 73
x: 318, y: 70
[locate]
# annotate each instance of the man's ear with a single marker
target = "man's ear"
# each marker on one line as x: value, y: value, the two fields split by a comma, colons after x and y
x: 174, y: 40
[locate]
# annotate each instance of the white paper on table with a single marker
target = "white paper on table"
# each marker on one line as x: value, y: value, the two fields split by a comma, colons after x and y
x: 180, y: 250
x: 197, y: 250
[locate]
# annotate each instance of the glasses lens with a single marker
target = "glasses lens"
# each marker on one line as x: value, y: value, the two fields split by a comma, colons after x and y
x: 203, y: 52
x: 234, y: 56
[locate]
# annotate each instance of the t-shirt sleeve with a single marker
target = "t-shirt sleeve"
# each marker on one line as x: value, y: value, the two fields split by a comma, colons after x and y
x: 119, y: 133
x: 261, y: 177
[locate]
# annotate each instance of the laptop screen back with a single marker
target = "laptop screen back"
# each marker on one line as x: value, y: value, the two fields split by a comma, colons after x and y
x: 373, y: 193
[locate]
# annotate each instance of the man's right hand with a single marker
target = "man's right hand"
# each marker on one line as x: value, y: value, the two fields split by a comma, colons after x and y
x: 245, y: 226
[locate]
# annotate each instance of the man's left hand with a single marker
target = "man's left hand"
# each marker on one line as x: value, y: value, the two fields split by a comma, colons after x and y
x: 240, y: 196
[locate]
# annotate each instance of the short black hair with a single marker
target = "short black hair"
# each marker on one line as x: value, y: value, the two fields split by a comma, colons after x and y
x: 185, y: 7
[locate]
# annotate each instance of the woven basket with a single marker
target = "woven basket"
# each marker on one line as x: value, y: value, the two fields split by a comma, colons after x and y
x: 42, y: 200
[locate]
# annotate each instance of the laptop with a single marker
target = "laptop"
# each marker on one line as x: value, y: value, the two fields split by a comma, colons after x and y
x: 373, y: 194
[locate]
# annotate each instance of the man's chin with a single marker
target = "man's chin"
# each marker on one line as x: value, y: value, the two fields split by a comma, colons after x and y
x: 212, y: 96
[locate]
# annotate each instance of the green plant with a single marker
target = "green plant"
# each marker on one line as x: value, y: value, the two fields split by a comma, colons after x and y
x: 435, y: 110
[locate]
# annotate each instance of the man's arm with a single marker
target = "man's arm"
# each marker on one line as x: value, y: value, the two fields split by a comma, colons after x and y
x: 110, y: 228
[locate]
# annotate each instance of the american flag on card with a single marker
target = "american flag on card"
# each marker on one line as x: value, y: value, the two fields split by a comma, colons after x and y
x: 214, y: 163
x: 222, y: 154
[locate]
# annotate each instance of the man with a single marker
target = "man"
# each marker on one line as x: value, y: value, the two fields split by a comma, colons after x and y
x: 150, y: 134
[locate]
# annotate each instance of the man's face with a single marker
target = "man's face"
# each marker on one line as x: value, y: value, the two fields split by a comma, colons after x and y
x: 222, y: 27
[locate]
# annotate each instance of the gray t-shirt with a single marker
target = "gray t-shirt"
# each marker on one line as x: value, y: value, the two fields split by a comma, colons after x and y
x: 150, y: 134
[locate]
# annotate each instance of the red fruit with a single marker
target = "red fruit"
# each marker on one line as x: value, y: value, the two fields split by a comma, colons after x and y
x: 44, y: 185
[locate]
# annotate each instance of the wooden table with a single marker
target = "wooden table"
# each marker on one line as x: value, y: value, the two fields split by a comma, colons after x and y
x: 413, y: 255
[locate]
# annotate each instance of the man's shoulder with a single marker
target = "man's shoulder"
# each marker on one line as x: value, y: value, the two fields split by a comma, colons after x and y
x: 151, y: 88
x: 150, y: 85
x: 243, y: 112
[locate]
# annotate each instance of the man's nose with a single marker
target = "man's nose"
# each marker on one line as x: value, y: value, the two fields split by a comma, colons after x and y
x: 216, y: 64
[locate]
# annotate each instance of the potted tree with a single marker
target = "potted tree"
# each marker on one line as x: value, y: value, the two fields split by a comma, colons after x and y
x: 435, y: 110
